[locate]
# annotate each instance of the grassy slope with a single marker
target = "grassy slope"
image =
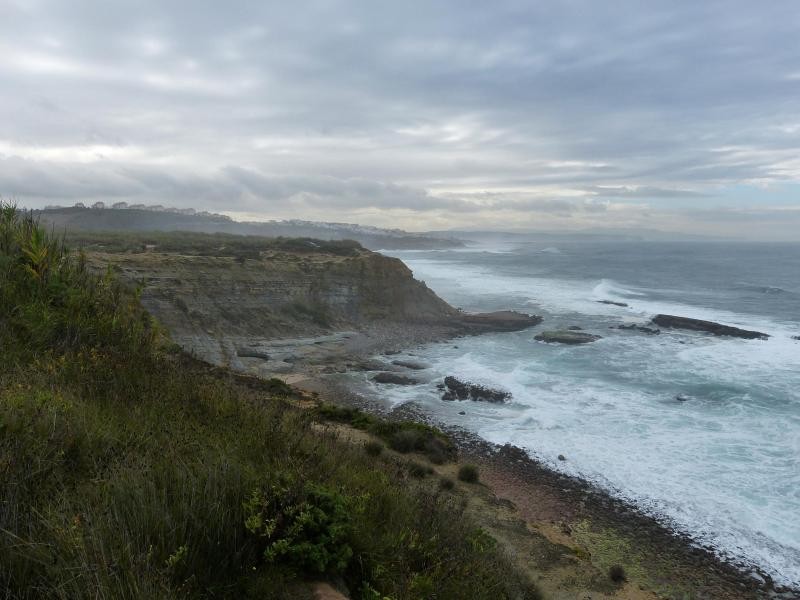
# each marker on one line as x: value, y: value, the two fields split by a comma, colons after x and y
x: 128, y: 471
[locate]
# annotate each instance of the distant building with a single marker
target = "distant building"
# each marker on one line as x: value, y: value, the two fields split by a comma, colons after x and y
x: 119, y: 205
x: 99, y: 205
x: 79, y: 205
x: 137, y: 207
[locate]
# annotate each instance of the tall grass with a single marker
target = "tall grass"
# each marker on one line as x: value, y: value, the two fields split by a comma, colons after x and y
x: 126, y: 469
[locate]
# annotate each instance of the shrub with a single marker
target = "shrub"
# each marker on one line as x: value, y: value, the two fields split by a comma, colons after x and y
x: 307, y: 527
x: 446, y: 483
x: 468, y: 473
x: 407, y: 441
x: 617, y: 574
x: 417, y: 470
x: 373, y: 448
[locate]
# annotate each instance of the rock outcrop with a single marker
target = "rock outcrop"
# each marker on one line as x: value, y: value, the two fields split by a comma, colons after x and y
x: 504, y: 320
x: 711, y: 327
x: 613, y: 303
x: 233, y: 310
x: 566, y: 337
x: 640, y: 328
x: 394, y: 378
x: 455, y: 389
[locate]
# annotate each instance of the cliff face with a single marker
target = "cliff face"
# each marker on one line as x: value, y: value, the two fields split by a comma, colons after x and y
x: 215, y: 305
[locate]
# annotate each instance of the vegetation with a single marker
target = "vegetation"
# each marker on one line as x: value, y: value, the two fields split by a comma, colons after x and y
x: 402, y: 436
x: 128, y: 470
x: 616, y: 573
x: 192, y: 243
x: 468, y: 474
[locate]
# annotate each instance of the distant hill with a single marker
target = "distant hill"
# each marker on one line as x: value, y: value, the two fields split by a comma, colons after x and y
x: 157, y: 218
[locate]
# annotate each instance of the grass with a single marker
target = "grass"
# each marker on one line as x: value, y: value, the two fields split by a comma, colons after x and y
x: 468, y: 473
x: 240, y: 247
x: 401, y: 436
x: 129, y: 470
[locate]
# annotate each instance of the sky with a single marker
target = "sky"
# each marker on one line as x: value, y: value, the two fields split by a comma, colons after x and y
x: 677, y: 115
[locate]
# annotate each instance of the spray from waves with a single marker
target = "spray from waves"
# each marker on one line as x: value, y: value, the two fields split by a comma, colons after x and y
x: 613, y: 414
x: 608, y: 288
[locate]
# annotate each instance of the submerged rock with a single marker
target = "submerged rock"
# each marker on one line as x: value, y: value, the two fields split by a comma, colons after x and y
x: 613, y: 302
x: 464, y: 390
x: 796, y: 337
x: 251, y: 353
x: 503, y: 320
x: 574, y: 328
x: 410, y: 364
x: 566, y: 337
x: 707, y: 326
x: 682, y: 398
x: 641, y: 328
x: 394, y: 378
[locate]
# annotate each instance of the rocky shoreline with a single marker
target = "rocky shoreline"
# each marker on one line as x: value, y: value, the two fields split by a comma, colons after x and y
x: 555, y: 501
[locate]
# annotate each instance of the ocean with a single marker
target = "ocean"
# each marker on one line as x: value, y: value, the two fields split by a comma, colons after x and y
x: 723, y: 463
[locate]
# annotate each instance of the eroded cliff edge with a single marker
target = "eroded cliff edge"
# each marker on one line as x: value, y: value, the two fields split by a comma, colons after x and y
x: 277, y: 312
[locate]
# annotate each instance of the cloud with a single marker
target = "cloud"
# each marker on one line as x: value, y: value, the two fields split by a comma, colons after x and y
x: 349, y: 109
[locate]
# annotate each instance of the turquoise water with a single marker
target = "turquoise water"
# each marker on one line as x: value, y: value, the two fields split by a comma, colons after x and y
x: 722, y: 466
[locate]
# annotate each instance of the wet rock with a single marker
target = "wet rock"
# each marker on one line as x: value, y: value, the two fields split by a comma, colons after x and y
x: 640, y: 328
x: 251, y: 353
x: 707, y: 326
x: 504, y: 320
x: 566, y: 337
x: 410, y: 364
x: 796, y: 337
x: 562, y: 457
x: 682, y: 398
x: 463, y: 390
x: 461, y: 412
x: 574, y: 328
x: 613, y: 302
x: 394, y: 378
x: 367, y: 365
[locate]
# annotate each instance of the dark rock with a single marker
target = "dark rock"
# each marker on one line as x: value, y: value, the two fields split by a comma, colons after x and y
x: 394, y: 378
x: 566, y: 337
x: 251, y: 353
x: 409, y: 364
x: 682, y: 398
x: 367, y: 365
x: 461, y: 390
x: 504, y: 320
x: 461, y: 412
x: 574, y: 328
x: 796, y: 337
x: 614, y: 303
x: 707, y: 326
x: 562, y: 457
x: 642, y: 328
x: 390, y: 352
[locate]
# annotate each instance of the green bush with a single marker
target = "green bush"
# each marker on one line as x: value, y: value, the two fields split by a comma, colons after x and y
x: 468, y: 473
x: 417, y: 470
x: 307, y: 526
x: 617, y: 574
x: 373, y: 448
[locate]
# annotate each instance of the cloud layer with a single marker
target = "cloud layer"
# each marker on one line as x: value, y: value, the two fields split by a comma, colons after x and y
x: 416, y: 114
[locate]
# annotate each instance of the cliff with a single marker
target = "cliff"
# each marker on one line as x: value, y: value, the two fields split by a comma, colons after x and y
x: 281, y: 306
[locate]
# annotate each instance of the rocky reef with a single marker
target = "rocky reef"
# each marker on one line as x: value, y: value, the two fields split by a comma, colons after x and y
x: 566, y: 336
x: 671, y: 321
x: 455, y: 389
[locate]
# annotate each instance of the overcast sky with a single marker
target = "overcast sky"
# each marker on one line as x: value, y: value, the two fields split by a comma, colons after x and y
x: 676, y: 115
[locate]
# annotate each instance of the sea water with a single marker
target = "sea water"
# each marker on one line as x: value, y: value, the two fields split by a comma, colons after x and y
x: 722, y: 463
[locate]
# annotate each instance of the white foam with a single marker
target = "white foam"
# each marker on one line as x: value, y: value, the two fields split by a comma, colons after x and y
x: 723, y: 466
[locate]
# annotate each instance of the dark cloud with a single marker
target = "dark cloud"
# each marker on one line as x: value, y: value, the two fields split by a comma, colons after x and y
x: 415, y: 106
